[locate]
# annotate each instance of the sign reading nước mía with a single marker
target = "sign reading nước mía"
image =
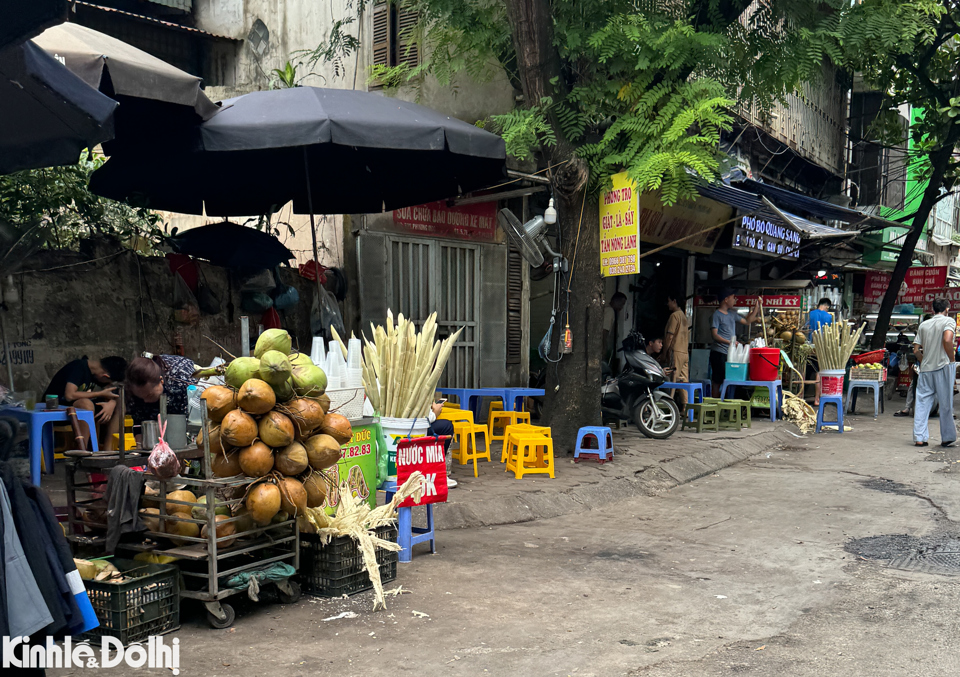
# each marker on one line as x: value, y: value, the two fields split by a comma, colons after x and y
x: 619, y: 229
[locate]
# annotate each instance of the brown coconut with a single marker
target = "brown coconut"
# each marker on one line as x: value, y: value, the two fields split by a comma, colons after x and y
x: 307, y: 415
x: 276, y: 430
x: 256, y: 396
x: 223, y: 530
x: 225, y: 464
x: 216, y: 445
x: 323, y: 401
x: 183, y: 495
x: 292, y: 459
x: 175, y: 529
x: 322, y: 451
x: 338, y: 427
x: 256, y: 460
x: 220, y: 402
x: 263, y: 502
x: 316, y: 490
x: 238, y: 429
x: 293, y: 497
x: 151, y: 518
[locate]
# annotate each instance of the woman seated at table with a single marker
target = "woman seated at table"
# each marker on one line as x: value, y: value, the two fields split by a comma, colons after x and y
x: 85, y: 384
x: 150, y: 376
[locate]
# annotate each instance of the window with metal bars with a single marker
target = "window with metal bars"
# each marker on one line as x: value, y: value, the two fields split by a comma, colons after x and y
x: 393, y: 28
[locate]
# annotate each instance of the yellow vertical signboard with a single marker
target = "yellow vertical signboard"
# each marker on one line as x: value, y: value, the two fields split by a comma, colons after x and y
x: 619, y: 228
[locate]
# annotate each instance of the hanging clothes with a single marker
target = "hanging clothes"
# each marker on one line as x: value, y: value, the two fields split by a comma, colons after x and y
x: 25, y: 610
x: 124, y: 489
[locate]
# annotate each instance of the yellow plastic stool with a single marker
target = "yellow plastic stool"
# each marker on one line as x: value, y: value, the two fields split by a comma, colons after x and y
x: 451, y: 405
x: 501, y: 418
x: 519, y: 430
x: 468, y: 449
x: 456, y: 416
x: 495, y: 405
x: 534, y: 455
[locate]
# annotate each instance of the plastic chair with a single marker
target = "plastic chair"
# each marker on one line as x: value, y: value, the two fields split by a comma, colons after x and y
x: 875, y: 386
x: 837, y: 401
x: 494, y: 405
x: 517, y: 430
x: 694, y: 391
x: 467, y: 450
x: 407, y: 534
x: 511, y: 418
x: 538, y: 450
x: 746, y: 417
x: 604, y: 450
x: 40, y: 423
x: 732, y: 419
x: 451, y: 405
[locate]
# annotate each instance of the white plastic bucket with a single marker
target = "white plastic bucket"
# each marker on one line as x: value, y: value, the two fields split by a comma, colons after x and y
x: 394, y: 429
x: 831, y: 381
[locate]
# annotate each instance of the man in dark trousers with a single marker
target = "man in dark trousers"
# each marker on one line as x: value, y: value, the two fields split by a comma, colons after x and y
x: 85, y: 384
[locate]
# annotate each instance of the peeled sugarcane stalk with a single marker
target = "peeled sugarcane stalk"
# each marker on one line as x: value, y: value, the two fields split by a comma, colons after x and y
x: 423, y: 372
x: 336, y: 336
x: 430, y: 386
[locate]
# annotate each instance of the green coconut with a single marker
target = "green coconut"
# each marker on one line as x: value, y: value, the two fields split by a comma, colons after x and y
x: 273, y: 339
x: 240, y: 370
x: 300, y: 360
x: 199, y: 512
x: 284, y: 392
x: 309, y: 381
x: 274, y: 368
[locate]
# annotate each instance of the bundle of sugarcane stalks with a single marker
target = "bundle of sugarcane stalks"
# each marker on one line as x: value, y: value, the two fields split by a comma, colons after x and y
x: 834, y: 343
x: 401, y: 367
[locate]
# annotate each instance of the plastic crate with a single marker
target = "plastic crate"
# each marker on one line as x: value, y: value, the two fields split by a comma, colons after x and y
x: 864, y: 374
x: 336, y: 569
x: 868, y: 358
x: 146, y: 603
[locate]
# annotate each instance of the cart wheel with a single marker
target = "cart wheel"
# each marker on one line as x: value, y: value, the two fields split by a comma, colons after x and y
x: 293, y: 596
x: 226, y: 622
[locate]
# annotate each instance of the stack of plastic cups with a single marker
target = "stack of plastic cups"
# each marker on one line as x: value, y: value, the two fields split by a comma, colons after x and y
x: 354, y: 370
x: 335, y: 375
x: 317, y: 354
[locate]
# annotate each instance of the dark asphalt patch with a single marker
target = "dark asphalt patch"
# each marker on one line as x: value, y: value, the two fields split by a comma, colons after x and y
x: 888, y: 486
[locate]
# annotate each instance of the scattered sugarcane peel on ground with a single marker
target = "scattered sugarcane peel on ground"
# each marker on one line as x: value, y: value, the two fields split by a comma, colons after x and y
x: 401, y: 367
x: 798, y: 412
x: 357, y: 520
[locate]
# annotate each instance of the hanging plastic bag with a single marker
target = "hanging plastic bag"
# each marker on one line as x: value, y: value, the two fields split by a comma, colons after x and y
x: 163, y: 462
x: 261, y: 281
x: 186, y: 309
x: 256, y: 302
x: 325, y: 314
x: 207, y: 299
x: 284, y: 296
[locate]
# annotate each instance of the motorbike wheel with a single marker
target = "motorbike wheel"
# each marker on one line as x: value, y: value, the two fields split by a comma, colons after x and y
x: 658, y: 428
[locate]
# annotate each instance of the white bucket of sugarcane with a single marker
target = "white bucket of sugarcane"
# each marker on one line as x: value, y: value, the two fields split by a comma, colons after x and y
x: 833, y: 345
x: 401, y: 368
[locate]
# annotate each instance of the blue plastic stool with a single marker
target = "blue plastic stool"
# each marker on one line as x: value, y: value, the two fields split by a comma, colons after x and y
x: 875, y: 386
x: 40, y: 423
x: 837, y: 401
x: 604, y: 444
x: 694, y: 392
x: 407, y: 534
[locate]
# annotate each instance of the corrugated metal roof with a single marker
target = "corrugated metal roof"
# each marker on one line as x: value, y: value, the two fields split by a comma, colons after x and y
x: 185, y: 5
x: 153, y: 20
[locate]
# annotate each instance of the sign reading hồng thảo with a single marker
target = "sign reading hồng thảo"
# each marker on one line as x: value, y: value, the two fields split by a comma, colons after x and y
x: 619, y: 230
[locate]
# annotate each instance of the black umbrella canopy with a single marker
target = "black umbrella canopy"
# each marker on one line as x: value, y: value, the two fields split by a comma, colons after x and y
x: 20, y: 20
x: 232, y: 246
x: 355, y: 151
x: 47, y: 114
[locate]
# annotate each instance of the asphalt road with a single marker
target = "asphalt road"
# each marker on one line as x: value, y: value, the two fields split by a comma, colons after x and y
x: 757, y: 569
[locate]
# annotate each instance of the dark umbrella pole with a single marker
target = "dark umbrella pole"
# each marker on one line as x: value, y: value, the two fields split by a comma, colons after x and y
x: 313, y: 227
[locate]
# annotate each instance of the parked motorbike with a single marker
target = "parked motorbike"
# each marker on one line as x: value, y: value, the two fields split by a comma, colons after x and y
x: 633, y: 394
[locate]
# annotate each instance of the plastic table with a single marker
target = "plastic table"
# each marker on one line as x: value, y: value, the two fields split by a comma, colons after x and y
x: 470, y: 397
x: 692, y: 389
x: 40, y: 425
x: 775, y: 388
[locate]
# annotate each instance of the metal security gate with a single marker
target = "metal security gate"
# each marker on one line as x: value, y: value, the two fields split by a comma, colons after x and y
x: 427, y: 275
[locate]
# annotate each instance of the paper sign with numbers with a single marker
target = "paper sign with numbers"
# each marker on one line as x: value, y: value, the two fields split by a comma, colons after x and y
x: 426, y: 455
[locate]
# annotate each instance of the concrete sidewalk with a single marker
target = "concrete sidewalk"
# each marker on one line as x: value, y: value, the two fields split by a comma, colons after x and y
x: 641, y: 466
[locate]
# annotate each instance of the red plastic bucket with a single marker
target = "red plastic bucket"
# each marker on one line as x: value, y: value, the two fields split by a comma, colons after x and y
x: 831, y: 382
x: 764, y: 364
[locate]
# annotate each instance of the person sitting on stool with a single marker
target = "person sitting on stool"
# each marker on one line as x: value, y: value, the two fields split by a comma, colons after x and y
x: 442, y: 428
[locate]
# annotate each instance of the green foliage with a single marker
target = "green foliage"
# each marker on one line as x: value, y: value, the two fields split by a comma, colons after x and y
x: 285, y: 77
x: 336, y: 49
x: 57, y: 200
x: 525, y: 129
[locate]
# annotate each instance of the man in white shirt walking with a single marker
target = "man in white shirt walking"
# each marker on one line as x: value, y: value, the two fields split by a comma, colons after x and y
x: 936, y: 353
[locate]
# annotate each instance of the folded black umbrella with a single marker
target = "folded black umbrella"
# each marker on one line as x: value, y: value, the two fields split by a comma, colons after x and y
x: 232, y: 246
x: 330, y: 151
x: 47, y: 114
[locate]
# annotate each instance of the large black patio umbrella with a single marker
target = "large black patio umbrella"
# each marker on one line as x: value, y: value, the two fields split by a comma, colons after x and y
x: 157, y: 100
x: 330, y: 151
x: 47, y: 114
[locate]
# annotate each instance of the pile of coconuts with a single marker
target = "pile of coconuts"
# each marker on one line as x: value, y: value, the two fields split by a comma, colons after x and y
x: 272, y: 421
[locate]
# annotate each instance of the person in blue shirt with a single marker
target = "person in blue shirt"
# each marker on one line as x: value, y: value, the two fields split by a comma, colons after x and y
x: 821, y: 315
x: 818, y: 318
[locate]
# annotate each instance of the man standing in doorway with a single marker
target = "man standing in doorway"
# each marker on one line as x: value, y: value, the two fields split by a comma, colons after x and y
x: 934, y: 349
x: 723, y: 328
x: 610, y: 313
x: 676, y: 341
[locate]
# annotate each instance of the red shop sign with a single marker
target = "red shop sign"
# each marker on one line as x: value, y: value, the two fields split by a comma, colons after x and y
x: 476, y: 222
x: 426, y: 455
x: 785, y: 302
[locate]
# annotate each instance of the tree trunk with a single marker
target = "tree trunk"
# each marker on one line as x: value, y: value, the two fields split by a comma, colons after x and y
x: 939, y: 160
x: 573, y: 384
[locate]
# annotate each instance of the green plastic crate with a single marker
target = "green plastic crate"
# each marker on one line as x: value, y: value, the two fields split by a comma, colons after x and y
x: 146, y: 603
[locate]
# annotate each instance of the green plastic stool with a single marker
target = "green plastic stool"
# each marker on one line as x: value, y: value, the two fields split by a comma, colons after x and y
x: 746, y: 418
x: 732, y: 419
x: 706, y: 416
